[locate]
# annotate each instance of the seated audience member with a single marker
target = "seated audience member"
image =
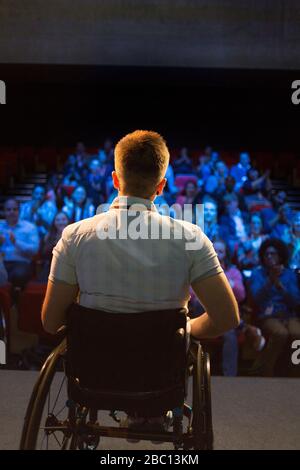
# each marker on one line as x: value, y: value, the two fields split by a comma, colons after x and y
x: 54, y: 190
x: 107, y: 153
x: 282, y: 228
x: 248, y: 256
x: 39, y: 211
x: 71, y: 166
x: 51, y: 239
x: 82, y: 157
x: 204, y: 168
x: 216, y: 181
x: 19, y: 243
x: 72, y: 179
x: 189, y: 194
x: 294, y: 242
x: 270, y: 215
x: 211, y: 227
x: 255, y: 188
x: 230, y: 342
x: 96, y: 183
x: 274, y: 289
x: 3, y: 272
x: 171, y: 189
x: 239, y: 171
x: 79, y: 207
x: 233, y: 224
x: 229, y: 188
x: 182, y: 165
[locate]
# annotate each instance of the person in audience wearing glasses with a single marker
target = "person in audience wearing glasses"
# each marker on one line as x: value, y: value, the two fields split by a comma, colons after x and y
x: 132, y: 274
x: 19, y: 243
x: 274, y: 289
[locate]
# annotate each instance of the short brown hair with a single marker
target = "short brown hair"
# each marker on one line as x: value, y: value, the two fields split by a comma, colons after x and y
x: 141, y: 161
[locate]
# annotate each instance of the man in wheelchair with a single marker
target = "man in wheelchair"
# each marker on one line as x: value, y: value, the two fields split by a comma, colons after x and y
x: 124, y: 277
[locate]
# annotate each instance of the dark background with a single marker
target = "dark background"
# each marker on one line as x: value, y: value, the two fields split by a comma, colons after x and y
x: 227, y: 108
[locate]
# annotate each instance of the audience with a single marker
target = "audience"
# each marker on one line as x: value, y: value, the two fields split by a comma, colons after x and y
x: 79, y: 207
x: 183, y: 164
x: 39, y: 211
x: 270, y: 215
x: 239, y: 171
x: 51, y: 239
x: 239, y: 214
x: 215, y: 183
x: 294, y: 242
x: 275, y: 291
x: 248, y: 257
x: 230, y: 342
x: 189, y: 194
x: 234, y: 223
x: 211, y: 226
x: 19, y: 243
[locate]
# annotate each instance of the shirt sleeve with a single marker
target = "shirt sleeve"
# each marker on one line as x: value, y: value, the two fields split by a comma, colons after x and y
x: 204, y: 261
x: 63, y: 264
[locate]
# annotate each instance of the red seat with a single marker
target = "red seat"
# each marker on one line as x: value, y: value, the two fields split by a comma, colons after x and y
x: 30, y: 307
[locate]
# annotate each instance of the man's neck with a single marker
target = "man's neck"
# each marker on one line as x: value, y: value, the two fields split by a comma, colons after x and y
x: 151, y: 198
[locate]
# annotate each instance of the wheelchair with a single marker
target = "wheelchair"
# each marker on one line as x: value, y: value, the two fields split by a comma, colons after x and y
x: 139, y: 364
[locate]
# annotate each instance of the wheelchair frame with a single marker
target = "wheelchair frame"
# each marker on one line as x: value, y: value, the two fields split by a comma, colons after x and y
x: 80, y: 428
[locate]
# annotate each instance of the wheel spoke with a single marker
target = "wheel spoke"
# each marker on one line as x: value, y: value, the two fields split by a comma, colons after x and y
x: 60, y: 411
x: 54, y: 435
x: 57, y: 396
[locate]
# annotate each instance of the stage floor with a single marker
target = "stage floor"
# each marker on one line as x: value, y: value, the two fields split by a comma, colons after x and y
x: 248, y: 413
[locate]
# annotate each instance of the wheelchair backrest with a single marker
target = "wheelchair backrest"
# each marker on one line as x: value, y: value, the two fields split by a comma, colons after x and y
x: 136, y: 352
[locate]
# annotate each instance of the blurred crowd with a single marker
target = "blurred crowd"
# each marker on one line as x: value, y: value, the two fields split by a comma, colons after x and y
x: 255, y: 232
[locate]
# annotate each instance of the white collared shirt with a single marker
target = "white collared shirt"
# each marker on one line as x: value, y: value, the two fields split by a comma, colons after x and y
x: 132, y: 275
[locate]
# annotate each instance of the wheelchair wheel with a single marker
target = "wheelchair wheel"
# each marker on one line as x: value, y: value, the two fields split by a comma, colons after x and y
x: 47, y: 419
x: 202, y: 415
x: 209, y: 437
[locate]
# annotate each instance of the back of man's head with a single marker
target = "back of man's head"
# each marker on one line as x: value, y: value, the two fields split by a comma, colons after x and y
x: 141, y: 161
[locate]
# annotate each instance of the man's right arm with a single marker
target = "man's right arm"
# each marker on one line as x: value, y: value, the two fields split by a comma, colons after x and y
x: 221, y: 309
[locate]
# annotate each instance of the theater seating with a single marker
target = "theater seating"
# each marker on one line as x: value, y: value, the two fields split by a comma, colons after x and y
x: 30, y: 306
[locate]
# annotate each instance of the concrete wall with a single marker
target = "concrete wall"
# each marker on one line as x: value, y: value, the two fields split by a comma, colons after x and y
x: 193, y: 33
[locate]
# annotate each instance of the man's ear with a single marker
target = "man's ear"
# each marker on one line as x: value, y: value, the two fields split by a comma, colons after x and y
x: 160, y: 186
x: 115, y: 179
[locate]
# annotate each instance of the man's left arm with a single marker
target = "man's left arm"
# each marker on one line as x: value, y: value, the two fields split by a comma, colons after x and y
x: 59, y: 296
x: 62, y: 288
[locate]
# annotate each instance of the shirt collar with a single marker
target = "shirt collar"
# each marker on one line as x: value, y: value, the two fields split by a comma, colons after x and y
x: 126, y: 202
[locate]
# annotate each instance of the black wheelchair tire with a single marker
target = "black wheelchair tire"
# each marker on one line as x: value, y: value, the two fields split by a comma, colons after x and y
x: 38, y: 397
